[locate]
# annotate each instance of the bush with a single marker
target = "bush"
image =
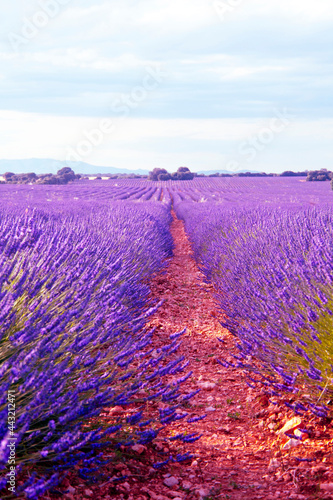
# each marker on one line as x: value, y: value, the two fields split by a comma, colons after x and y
x: 164, y: 177
x: 319, y: 175
x: 153, y: 176
x: 289, y: 173
x: 184, y: 174
x: 66, y: 171
x: 160, y: 174
x: 8, y: 176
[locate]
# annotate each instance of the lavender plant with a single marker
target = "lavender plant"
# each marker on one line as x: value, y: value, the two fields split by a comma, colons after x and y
x: 74, y: 302
x: 272, y: 272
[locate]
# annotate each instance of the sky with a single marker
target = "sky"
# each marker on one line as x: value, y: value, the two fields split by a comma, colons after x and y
x: 138, y: 84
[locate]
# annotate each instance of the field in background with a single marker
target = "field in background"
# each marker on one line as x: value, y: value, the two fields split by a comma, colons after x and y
x: 277, y: 191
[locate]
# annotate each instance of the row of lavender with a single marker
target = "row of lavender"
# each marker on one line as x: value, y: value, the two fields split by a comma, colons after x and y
x: 74, y: 301
x: 272, y: 269
x: 293, y: 192
x: 87, y: 191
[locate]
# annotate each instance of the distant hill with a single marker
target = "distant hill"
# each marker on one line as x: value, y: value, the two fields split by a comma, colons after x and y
x: 48, y: 166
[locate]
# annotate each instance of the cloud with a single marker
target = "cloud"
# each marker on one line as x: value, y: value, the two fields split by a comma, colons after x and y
x: 236, y: 70
x: 145, y: 143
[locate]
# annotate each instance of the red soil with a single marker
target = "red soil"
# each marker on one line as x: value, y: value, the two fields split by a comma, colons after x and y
x: 240, y: 454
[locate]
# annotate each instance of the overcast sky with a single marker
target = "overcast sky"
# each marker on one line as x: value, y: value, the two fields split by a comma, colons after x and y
x: 229, y: 84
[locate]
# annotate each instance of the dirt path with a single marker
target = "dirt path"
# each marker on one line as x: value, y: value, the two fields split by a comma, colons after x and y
x: 239, y: 455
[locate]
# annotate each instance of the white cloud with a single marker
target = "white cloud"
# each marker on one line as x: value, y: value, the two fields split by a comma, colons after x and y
x: 85, y: 59
x: 146, y: 143
x: 299, y: 10
x: 224, y: 78
x: 182, y: 15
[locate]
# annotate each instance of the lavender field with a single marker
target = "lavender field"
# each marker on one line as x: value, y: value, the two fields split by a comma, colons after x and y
x: 76, y: 262
x: 268, y: 253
